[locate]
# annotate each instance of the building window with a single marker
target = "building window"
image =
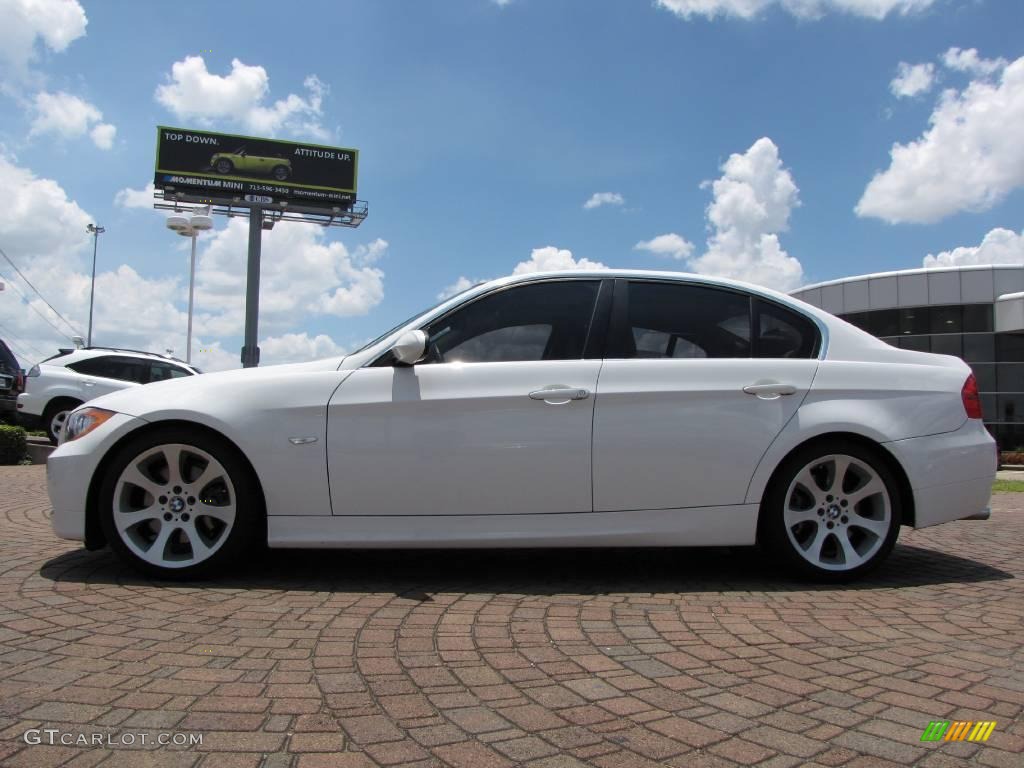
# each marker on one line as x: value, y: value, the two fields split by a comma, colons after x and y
x: 977, y: 318
x: 979, y: 347
x: 946, y: 319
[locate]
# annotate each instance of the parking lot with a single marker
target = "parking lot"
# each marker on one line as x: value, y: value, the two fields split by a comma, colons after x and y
x: 539, y: 658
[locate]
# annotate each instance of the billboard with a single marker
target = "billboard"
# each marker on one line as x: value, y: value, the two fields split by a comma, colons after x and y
x: 221, y: 165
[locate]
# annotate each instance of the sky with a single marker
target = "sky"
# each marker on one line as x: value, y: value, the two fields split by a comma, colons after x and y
x: 783, y: 142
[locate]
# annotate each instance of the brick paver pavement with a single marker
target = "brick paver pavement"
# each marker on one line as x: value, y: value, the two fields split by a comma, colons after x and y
x: 546, y: 659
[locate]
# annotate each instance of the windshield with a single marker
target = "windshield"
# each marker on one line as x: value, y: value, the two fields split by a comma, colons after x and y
x: 408, y: 320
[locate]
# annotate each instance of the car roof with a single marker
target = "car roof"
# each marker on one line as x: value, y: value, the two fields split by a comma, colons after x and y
x: 71, y: 355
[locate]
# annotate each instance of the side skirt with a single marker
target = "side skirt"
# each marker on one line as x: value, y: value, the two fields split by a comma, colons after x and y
x: 694, y: 526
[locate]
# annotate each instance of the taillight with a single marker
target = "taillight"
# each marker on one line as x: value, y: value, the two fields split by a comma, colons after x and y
x: 19, y: 382
x: 972, y: 401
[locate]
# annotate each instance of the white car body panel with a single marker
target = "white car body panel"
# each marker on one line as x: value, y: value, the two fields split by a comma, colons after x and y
x: 683, y: 433
x: 467, y: 439
x: 258, y: 410
x: 70, y: 469
x: 519, y: 472
x: 705, y: 527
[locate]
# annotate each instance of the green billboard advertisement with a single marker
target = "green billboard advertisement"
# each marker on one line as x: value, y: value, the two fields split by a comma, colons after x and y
x: 225, y: 166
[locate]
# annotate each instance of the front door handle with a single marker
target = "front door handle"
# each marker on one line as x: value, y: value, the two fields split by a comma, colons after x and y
x: 559, y: 395
x: 769, y: 390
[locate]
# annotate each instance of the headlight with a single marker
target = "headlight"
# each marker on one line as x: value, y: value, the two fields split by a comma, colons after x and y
x: 82, y: 422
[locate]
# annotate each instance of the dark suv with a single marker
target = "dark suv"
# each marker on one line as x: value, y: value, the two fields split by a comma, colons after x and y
x: 12, y: 382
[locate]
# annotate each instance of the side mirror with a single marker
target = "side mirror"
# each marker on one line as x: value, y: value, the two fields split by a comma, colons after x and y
x: 410, y: 347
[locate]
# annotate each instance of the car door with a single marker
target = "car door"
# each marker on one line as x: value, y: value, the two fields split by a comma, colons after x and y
x: 103, y: 375
x: 690, y: 398
x: 495, y: 420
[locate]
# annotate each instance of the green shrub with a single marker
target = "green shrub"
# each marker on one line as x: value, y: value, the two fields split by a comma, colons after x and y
x: 12, y: 444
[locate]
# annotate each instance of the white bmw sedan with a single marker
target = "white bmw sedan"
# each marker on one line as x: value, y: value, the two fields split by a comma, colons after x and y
x: 550, y: 410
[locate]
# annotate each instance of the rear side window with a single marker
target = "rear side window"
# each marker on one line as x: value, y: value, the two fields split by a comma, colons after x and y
x: 665, y: 320
x: 784, y: 333
x: 165, y: 371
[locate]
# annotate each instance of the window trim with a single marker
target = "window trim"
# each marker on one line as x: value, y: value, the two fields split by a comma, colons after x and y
x: 593, y: 343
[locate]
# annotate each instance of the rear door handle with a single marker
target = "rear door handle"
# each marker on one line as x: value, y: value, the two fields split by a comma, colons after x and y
x: 558, y: 395
x: 769, y: 390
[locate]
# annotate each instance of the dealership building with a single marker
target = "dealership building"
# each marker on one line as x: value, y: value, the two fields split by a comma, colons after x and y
x: 975, y: 313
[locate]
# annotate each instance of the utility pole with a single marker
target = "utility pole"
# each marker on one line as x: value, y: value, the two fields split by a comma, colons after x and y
x: 95, y: 231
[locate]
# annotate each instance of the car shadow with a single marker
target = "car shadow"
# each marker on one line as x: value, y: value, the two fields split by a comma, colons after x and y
x: 417, y: 574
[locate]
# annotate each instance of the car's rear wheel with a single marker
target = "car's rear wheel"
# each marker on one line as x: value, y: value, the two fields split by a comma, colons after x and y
x: 832, y: 512
x: 280, y: 172
x: 224, y: 166
x: 177, y: 504
x: 54, y: 416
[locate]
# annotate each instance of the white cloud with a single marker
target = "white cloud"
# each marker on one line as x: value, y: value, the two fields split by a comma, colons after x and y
x: 193, y: 93
x: 912, y: 80
x: 550, y: 258
x: 103, y: 135
x: 302, y: 274
x: 298, y: 348
x: 969, y: 61
x: 968, y: 160
x: 672, y: 245
x: 802, y: 9
x: 753, y: 199
x: 460, y: 285
x: 69, y: 117
x: 547, y: 259
x: 135, y: 198
x: 54, y: 23
x: 603, y: 198
x: 1000, y: 246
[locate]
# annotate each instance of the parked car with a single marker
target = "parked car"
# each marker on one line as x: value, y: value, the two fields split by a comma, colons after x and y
x: 61, y: 383
x: 12, y: 380
x: 558, y: 409
x: 240, y: 161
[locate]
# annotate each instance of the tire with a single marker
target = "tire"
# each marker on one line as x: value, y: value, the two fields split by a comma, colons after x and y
x: 224, y: 166
x: 280, y: 172
x: 211, y: 511
x: 54, y: 416
x: 832, y: 512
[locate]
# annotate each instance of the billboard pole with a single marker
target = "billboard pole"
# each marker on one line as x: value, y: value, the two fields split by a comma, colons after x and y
x: 250, y: 350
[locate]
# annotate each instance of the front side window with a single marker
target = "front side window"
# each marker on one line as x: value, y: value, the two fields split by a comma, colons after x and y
x: 540, y: 321
x: 665, y: 320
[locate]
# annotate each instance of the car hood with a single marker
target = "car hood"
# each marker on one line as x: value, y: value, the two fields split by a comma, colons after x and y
x: 242, y: 386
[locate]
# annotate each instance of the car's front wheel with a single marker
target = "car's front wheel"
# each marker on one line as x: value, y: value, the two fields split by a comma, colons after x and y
x: 832, y: 511
x: 178, y: 504
x: 224, y: 166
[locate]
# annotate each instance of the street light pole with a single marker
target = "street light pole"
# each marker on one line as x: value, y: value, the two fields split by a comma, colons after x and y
x: 191, y: 294
x: 190, y: 227
x: 95, y: 231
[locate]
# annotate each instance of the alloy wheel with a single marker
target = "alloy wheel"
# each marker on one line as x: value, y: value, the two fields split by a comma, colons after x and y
x: 57, y: 423
x: 838, y: 512
x: 174, y: 505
